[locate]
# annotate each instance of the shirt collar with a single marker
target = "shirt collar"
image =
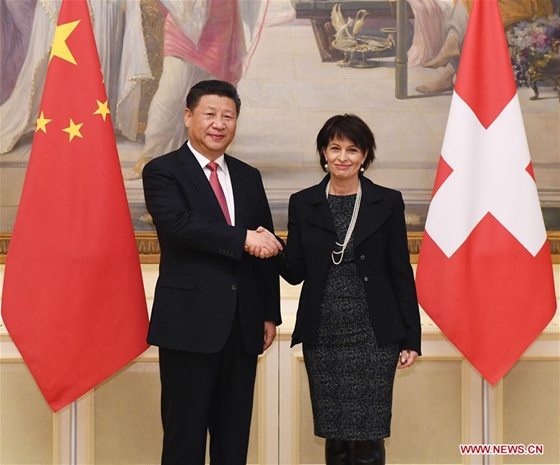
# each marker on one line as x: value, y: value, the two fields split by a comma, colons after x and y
x: 203, y: 161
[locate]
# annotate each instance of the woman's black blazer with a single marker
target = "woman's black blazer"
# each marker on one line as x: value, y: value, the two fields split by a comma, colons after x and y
x: 382, y: 257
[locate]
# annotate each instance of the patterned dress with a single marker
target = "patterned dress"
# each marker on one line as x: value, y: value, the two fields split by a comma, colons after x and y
x: 350, y: 376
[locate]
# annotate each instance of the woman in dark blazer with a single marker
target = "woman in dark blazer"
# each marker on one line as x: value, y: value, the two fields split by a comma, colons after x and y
x: 358, y: 314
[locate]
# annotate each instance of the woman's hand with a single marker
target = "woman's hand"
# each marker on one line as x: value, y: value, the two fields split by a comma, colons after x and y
x: 269, y: 334
x: 407, y: 358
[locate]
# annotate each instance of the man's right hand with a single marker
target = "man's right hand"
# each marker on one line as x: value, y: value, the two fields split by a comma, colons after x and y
x: 262, y: 243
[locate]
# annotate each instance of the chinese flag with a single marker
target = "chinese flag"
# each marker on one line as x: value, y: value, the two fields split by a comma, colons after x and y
x: 73, y: 299
x: 484, y: 272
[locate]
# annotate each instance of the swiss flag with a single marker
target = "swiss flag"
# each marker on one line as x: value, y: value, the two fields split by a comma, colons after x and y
x: 484, y: 272
x: 73, y: 299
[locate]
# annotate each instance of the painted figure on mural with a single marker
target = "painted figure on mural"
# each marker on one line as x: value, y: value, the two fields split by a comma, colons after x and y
x: 118, y: 30
x: 441, y: 26
x: 16, y: 20
x: 201, y: 40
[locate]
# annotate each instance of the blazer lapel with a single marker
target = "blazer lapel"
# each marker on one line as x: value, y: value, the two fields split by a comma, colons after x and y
x: 319, y: 213
x: 194, y: 172
x: 374, y: 211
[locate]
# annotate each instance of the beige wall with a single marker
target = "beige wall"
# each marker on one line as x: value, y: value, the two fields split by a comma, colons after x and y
x: 438, y: 405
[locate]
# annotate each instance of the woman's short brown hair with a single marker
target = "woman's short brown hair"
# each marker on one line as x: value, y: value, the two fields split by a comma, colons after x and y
x: 347, y: 127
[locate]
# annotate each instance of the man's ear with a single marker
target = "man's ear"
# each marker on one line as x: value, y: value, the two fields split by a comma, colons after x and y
x: 187, y: 117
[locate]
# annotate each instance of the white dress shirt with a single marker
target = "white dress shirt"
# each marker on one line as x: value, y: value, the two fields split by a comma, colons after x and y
x: 223, y: 177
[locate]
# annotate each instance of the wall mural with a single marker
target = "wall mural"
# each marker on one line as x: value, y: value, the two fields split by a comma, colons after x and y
x: 295, y: 63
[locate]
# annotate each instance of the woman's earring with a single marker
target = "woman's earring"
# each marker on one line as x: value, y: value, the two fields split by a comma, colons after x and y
x: 362, y: 169
x: 326, y: 166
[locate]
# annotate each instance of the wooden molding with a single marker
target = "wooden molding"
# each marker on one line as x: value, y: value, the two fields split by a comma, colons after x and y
x: 148, y: 246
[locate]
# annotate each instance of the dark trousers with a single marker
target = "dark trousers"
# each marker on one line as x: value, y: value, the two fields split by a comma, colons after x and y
x: 203, y: 393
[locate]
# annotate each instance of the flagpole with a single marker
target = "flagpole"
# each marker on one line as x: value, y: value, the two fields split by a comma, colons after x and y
x: 485, y: 429
x: 74, y: 433
x: 401, y: 57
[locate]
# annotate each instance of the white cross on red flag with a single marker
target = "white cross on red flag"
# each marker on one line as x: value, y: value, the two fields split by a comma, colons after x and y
x: 484, y: 272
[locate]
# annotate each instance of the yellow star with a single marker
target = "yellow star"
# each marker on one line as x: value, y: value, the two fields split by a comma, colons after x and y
x: 59, y: 47
x: 74, y: 130
x: 103, y: 109
x: 42, y: 123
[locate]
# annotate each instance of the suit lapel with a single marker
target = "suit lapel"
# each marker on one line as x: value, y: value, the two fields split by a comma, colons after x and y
x: 374, y: 211
x: 194, y: 172
x: 240, y: 190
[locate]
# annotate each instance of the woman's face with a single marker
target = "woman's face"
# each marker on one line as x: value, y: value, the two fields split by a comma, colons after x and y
x: 344, y: 159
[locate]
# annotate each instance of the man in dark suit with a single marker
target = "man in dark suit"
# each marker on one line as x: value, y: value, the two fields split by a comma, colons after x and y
x: 216, y: 307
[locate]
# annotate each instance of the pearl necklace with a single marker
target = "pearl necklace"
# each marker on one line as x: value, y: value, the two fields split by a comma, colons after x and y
x: 351, y: 226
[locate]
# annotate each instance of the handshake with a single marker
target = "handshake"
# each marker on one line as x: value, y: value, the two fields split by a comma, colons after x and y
x: 262, y: 243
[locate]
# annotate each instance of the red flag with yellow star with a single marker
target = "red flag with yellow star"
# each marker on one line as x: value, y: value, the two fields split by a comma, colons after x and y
x: 73, y: 299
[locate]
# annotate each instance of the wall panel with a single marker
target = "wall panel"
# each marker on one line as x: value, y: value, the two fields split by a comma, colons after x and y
x: 26, y: 426
x: 531, y: 409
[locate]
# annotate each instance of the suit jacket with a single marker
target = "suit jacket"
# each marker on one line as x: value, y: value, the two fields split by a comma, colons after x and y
x: 204, y: 273
x: 382, y: 257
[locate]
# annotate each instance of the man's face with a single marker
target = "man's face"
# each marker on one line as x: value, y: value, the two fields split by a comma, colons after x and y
x: 212, y: 125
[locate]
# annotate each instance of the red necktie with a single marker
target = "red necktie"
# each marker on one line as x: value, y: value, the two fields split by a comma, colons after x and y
x: 218, y: 191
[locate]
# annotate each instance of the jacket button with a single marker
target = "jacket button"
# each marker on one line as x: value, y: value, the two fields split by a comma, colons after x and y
x: 233, y: 287
x: 362, y: 257
x: 366, y: 278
